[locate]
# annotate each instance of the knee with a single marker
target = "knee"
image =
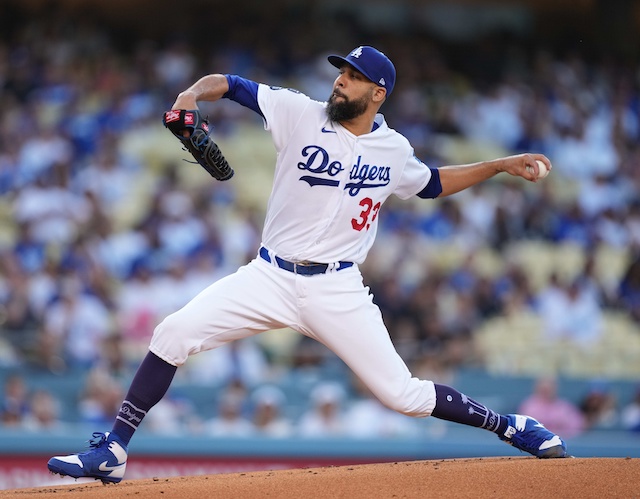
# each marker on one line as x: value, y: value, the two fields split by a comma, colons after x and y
x: 169, y: 340
x: 169, y: 324
x: 415, y: 399
x: 167, y: 329
x: 177, y: 325
x: 402, y: 405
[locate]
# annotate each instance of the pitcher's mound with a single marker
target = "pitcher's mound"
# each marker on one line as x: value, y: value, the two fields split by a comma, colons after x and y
x: 525, y: 477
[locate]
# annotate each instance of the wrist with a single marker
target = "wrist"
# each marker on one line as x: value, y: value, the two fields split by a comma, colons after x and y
x: 186, y: 100
x: 497, y: 165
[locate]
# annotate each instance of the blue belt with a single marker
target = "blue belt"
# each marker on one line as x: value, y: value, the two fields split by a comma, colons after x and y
x: 303, y: 268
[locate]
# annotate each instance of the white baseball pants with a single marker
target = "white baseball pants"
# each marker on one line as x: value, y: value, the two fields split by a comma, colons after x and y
x: 335, y: 309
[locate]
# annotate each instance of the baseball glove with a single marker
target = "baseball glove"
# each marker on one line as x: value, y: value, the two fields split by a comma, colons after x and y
x: 198, y: 142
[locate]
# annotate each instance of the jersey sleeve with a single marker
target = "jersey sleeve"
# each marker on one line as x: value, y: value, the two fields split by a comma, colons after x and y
x: 414, y: 179
x: 280, y: 108
x: 244, y: 92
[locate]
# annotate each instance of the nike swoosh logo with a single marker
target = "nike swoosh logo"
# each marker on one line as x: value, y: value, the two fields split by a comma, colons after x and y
x: 324, y: 130
x: 104, y: 467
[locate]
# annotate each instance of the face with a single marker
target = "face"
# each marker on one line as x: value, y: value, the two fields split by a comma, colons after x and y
x: 352, y: 93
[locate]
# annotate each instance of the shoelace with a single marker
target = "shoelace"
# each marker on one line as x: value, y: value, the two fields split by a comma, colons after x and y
x: 97, y: 439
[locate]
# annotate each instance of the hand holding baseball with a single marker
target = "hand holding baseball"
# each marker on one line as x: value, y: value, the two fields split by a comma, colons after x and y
x: 543, y: 171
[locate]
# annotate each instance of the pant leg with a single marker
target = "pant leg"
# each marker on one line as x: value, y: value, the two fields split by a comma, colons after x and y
x: 256, y: 298
x: 339, y: 312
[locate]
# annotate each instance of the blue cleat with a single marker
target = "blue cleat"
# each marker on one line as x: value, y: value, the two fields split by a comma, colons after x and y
x: 105, y: 461
x: 527, y: 434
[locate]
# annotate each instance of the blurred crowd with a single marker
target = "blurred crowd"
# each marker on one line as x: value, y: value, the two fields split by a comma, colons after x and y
x: 597, y: 408
x: 97, y: 245
x: 330, y: 409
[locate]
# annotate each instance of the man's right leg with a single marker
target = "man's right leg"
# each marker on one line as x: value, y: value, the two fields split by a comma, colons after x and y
x: 107, y: 458
x: 245, y: 303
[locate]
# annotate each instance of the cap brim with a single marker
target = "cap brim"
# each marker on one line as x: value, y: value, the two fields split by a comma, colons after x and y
x: 338, y: 61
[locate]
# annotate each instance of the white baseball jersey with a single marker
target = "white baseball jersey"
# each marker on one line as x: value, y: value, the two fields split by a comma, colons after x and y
x: 329, y: 183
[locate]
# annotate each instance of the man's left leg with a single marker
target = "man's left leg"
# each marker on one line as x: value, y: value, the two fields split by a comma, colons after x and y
x: 351, y: 325
x: 523, y: 432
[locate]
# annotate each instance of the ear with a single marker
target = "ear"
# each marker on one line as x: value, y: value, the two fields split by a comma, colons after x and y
x: 379, y: 94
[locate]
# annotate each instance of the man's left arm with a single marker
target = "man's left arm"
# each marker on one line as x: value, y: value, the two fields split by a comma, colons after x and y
x: 459, y: 177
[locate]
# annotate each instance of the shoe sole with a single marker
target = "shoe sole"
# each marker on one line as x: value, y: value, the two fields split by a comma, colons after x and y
x: 554, y: 453
x: 57, y: 471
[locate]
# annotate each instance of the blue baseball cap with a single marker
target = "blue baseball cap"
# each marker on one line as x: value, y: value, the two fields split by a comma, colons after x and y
x: 370, y: 62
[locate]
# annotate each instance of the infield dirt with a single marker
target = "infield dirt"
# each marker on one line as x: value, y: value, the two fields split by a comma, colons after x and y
x: 521, y: 478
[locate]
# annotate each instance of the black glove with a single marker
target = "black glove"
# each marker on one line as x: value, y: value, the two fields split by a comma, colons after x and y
x: 205, y: 151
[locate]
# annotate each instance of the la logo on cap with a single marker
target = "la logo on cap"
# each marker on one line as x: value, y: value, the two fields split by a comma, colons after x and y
x: 356, y: 53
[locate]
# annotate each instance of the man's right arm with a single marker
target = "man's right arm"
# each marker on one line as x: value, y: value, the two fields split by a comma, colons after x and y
x: 208, y: 88
x: 213, y: 87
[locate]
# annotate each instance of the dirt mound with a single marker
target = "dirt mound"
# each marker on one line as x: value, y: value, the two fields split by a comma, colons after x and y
x: 460, y: 478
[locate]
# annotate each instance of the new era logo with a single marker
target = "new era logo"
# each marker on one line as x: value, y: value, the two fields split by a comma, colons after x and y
x: 382, y: 82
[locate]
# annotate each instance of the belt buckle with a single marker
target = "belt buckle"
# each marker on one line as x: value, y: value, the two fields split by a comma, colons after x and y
x: 303, y: 268
x: 304, y: 263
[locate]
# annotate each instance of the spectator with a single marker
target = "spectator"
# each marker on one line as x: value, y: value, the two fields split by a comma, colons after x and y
x: 117, y: 251
x: 54, y: 212
x: 514, y: 290
x: 76, y: 324
x: 180, y: 232
x: 137, y: 308
x: 629, y: 290
x: 325, y: 417
x: 202, y: 271
x: 107, y: 178
x: 630, y: 414
x: 100, y: 398
x: 599, y: 407
x: 230, y: 420
x: 175, y: 416
x: 20, y: 322
x: 571, y: 313
x: 29, y: 253
x: 242, y: 361
x: 42, y: 151
x: 556, y: 413
x: 15, y: 401
x: 114, y: 357
x: 44, y: 413
x: 572, y: 226
x: 268, y: 412
x: 366, y: 417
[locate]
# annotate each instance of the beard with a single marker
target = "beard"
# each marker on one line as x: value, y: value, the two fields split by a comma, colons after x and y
x: 346, y: 110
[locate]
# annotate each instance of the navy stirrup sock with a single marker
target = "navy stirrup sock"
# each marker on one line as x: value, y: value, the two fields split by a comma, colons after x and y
x: 452, y: 405
x: 149, y: 385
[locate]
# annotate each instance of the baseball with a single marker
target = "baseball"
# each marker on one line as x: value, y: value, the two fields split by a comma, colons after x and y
x: 543, y: 170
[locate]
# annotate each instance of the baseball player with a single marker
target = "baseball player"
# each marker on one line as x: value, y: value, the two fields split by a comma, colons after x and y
x: 337, y: 163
